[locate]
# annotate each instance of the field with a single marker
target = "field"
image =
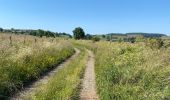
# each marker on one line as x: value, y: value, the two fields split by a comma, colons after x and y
x: 132, y: 72
x: 25, y: 58
x: 126, y: 71
x: 123, y: 71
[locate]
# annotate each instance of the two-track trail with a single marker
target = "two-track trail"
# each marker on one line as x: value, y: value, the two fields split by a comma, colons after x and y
x: 28, y: 91
x: 88, y: 91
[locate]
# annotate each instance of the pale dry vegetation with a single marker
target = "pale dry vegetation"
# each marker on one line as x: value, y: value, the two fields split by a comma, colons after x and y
x: 25, y: 58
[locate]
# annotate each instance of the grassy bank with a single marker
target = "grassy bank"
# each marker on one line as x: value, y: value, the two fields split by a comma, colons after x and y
x: 24, y: 58
x: 64, y: 85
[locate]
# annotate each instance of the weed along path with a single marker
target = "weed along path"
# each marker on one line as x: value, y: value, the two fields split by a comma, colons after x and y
x: 88, y: 91
x: 31, y: 89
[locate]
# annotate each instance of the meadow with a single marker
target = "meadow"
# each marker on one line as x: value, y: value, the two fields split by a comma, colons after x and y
x: 25, y: 58
x: 65, y: 84
x: 123, y: 70
x: 131, y: 71
x: 126, y: 71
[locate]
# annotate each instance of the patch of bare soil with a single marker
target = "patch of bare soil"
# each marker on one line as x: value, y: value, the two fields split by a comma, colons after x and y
x: 88, y: 91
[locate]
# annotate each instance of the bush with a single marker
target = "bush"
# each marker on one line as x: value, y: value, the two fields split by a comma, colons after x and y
x: 132, y: 40
x: 154, y: 43
x: 96, y: 39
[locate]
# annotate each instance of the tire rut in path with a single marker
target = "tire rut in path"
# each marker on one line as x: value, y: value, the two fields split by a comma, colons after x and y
x: 31, y: 89
x: 88, y: 91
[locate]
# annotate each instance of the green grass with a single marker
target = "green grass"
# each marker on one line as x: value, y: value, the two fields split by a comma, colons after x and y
x: 64, y: 85
x: 22, y: 62
x: 132, y: 72
x: 126, y: 71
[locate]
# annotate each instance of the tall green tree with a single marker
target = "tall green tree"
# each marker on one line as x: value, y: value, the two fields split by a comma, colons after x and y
x: 1, y: 29
x: 33, y: 32
x: 79, y: 33
x: 88, y: 36
x: 40, y: 33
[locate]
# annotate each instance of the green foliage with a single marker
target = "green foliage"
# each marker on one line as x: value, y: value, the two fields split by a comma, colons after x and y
x: 21, y: 63
x: 108, y: 37
x: 103, y: 36
x: 42, y: 33
x: 64, y: 35
x: 120, y: 40
x: 65, y: 83
x: 154, y: 43
x: 79, y: 33
x: 38, y: 33
x: 132, y: 39
x: 131, y: 72
x: 1, y: 29
x: 88, y: 36
x: 34, y: 33
x: 140, y: 39
x: 95, y: 39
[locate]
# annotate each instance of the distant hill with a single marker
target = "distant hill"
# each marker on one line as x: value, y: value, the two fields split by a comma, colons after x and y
x: 147, y: 35
x: 127, y: 36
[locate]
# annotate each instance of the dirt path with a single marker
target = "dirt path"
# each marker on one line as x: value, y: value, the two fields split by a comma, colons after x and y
x: 42, y: 81
x: 88, y: 91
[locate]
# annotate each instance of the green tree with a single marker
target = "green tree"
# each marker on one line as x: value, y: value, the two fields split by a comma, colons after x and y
x: 108, y: 38
x: 95, y: 39
x: 33, y: 32
x: 103, y: 36
x: 40, y: 33
x: 132, y: 39
x: 1, y: 29
x: 49, y: 34
x: 79, y: 33
x: 88, y: 36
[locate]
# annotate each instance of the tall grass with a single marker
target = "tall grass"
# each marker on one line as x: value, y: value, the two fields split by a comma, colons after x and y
x: 26, y: 58
x: 64, y: 85
x: 132, y: 72
x: 126, y: 71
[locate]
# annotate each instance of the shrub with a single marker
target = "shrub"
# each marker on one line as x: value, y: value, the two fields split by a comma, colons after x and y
x: 96, y: 39
x: 132, y: 40
x: 154, y: 43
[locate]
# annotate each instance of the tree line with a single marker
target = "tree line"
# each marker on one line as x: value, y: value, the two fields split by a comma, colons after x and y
x: 79, y: 33
x: 39, y: 32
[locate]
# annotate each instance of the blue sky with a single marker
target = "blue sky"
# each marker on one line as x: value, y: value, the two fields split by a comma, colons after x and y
x: 94, y: 16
